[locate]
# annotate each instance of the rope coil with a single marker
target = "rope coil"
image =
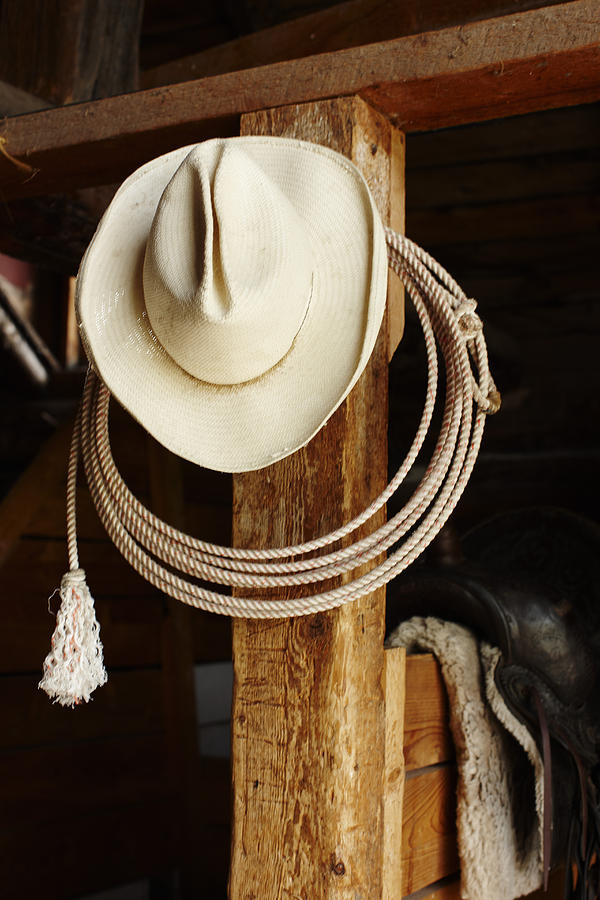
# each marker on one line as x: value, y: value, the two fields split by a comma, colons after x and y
x: 148, y: 543
x: 169, y: 559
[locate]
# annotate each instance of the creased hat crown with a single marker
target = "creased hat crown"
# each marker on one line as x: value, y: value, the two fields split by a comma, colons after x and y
x: 227, y: 269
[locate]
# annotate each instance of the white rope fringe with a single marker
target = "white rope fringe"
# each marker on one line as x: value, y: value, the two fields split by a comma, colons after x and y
x: 74, y: 667
x: 150, y: 545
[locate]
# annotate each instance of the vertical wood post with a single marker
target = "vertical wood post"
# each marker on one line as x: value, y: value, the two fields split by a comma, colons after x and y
x: 308, y: 729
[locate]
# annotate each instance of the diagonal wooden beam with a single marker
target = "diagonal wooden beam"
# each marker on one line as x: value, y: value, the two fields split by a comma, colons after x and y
x: 535, y: 60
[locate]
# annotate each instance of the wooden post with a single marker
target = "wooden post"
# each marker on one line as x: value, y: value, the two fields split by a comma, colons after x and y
x: 308, y: 730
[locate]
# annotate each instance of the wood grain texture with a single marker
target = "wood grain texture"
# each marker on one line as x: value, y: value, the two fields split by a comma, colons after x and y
x: 68, y: 50
x: 444, y: 890
x: 394, y: 771
x: 427, y: 739
x: 397, y: 205
x: 533, y: 60
x: 308, y: 726
x: 344, y: 25
x: 429, y: 850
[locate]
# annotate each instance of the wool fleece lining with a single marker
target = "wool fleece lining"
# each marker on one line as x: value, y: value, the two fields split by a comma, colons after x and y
x: 500, y: 771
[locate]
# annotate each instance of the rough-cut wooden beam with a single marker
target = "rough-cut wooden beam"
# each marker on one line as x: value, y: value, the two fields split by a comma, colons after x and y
x: 349, y: 24
x: 534, y: 60
x: 308, y: 729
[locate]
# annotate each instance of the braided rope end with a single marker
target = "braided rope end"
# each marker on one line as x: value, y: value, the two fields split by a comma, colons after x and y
x: 74, y: 667
x: 494, y: 402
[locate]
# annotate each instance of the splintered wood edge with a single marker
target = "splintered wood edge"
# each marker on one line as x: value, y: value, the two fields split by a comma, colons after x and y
x: 394, y: 772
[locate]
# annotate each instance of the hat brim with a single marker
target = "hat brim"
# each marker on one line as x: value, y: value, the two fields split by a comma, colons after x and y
x: 251, y: 425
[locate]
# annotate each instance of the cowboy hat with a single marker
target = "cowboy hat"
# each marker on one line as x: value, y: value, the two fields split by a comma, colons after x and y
x: 232, y: 295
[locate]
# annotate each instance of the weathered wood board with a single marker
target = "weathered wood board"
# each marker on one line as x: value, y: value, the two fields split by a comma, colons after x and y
x: 533, y: 60
x: 348, y: 24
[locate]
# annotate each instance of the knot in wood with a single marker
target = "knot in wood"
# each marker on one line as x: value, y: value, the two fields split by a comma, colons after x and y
x: 337, y: 866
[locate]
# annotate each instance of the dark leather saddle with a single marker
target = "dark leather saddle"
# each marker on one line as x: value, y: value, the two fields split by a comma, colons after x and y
x: 528, y: 582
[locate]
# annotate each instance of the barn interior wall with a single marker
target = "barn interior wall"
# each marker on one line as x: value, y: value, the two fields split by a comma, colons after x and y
x: 511, y: 208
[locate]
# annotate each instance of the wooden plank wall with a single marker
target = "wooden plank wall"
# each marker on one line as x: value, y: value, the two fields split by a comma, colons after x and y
x: 512, y: 209
x: 92, y: 797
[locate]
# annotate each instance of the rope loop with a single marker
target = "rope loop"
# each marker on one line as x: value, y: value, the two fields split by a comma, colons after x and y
x: 176, y: 562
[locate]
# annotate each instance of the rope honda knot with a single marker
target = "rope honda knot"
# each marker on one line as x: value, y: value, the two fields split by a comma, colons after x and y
x: 494, y: 402
x: 468, y: 321
x: 74, y: 667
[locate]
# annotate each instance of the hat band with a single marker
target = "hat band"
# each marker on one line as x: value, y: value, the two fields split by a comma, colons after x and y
x: 237, y: 362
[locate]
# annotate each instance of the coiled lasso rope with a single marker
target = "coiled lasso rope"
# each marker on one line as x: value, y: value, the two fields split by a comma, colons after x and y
x: 74, y: 668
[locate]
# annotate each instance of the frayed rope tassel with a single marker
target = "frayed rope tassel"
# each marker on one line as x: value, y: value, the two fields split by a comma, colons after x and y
x: 75, y: 666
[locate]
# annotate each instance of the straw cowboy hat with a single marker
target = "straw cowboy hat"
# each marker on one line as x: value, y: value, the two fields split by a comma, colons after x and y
x: 232, y: 295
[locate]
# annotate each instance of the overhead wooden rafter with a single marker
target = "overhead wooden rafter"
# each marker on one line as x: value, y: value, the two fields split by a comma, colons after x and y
x: 350, y: 24
x: 534, y: 60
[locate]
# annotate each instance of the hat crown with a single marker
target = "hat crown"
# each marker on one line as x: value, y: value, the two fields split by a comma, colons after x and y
x: 227, y: 269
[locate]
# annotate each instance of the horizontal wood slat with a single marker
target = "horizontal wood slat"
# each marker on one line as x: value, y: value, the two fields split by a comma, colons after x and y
x: 337, y: 27
x: 533, y: 60
x: 497, y: 181
x: 427, y: 740
x: 66, y: 857
x: 36, y: 567
x: 70, y: 844
x: 129, y: 704
x: 24, y: 645
x: 446, y: 890
x: 538, y: 134
x: 429, y: 849
x: 95, y: 774
x: 549, y: 216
